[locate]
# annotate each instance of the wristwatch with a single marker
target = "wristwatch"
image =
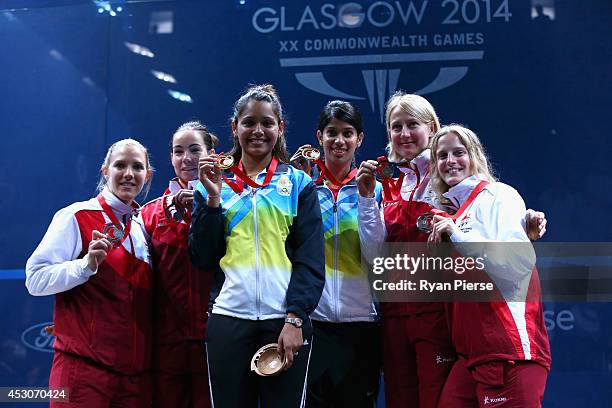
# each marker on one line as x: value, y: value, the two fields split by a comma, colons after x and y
x: 295, y: 321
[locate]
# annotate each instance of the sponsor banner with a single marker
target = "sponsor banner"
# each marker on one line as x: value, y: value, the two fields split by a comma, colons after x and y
x: 39, y: 337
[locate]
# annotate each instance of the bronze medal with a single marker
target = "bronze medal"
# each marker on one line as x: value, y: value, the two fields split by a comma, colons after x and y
x: 311, y: 153
x: 267, y: 361
x: 224, y: 162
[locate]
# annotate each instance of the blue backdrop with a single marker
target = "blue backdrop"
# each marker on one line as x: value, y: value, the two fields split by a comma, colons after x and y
x: 76, y: 76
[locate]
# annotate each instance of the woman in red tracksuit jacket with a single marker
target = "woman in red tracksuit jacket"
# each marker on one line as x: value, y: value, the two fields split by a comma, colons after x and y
x: 417, y: 351
x: 181, y: 290
x: 94, y: 258
x: 502, y: 345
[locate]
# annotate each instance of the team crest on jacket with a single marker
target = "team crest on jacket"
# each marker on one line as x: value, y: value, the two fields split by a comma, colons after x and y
x: 284, y: 186
x: 464, y: 224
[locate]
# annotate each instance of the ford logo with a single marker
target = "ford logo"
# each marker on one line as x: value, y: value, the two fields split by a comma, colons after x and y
x: 37, y: 338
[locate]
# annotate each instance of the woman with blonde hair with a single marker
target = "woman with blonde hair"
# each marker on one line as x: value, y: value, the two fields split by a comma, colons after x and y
x: 502, y: 345
x: 417, y: 353
x: 95, y: 260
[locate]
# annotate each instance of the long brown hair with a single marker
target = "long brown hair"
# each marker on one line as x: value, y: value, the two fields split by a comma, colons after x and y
x: 209, y: 139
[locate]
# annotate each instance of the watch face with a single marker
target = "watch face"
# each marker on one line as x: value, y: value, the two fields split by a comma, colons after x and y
x: 297, y: 322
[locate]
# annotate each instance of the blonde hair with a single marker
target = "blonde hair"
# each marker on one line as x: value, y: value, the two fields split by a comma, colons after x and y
x: 479, y: 164
x: 414, y: 105
x: 109, y: 153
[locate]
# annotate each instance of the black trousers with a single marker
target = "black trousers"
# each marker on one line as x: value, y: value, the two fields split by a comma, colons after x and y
x: 345, y: 365
x: 230, y: 345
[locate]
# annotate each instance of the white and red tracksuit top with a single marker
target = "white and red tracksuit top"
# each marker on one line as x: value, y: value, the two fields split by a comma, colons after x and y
x: 510, y: 329
x: 181, y: 290
x: 397, y: 223
x: 103, y: 315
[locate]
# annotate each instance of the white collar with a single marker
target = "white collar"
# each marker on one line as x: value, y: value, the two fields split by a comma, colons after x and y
x: 174, y: 185
x: 420, y: 162
x: 119, y: 207
x: 459, y: 193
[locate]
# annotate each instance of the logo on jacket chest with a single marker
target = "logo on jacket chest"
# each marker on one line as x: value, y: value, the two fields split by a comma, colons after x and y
x: 284, y: 186
x: 465, y: 225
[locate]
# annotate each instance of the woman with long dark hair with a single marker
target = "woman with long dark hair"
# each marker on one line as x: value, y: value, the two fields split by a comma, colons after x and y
x: 180, y: 375
x: 260, y: 230
x: 345, y: 365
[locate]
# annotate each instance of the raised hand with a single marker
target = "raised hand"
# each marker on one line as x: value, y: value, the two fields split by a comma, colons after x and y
x: 366, y: 178
x: 99, y: 246
x: 210, y: 177
x: 536, y: 224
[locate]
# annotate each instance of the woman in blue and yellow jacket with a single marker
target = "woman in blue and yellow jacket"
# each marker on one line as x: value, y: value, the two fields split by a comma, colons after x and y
x: 260, y: 229
x: 344, y: 371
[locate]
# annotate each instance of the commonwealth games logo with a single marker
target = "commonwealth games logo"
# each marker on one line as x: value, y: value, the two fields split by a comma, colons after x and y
x: 422, y: 46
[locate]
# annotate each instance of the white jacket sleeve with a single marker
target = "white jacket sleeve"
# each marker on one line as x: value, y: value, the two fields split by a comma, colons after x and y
x: 498, y: 229
x: 372, y: 231
x: 53, y: 267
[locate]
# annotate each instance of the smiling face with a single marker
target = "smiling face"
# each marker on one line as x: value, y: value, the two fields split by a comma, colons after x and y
x: 126, y: 172
x: 257, y: 129
x: 187, y: 148
x: 339, y: 140
x: 409, y: 136
x: 453, y: 161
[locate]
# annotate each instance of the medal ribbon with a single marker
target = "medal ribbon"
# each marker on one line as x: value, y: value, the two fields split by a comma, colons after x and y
x: 391, y: 188
x: 425, y: 220
x: 115, y: 221
x: 479, y: 187
x: 326, y: 174
x: 241, y: 177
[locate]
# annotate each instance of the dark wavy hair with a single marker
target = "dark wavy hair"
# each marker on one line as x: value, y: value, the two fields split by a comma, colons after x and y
x: 341, y: 110
x: 209, y: 139
x: 261, y: 93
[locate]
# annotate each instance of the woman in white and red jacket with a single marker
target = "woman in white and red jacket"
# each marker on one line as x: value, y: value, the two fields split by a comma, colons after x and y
x: 181, y: 290
x: 417, y: 351
x: 95, y: 260
x: 502, y: 345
